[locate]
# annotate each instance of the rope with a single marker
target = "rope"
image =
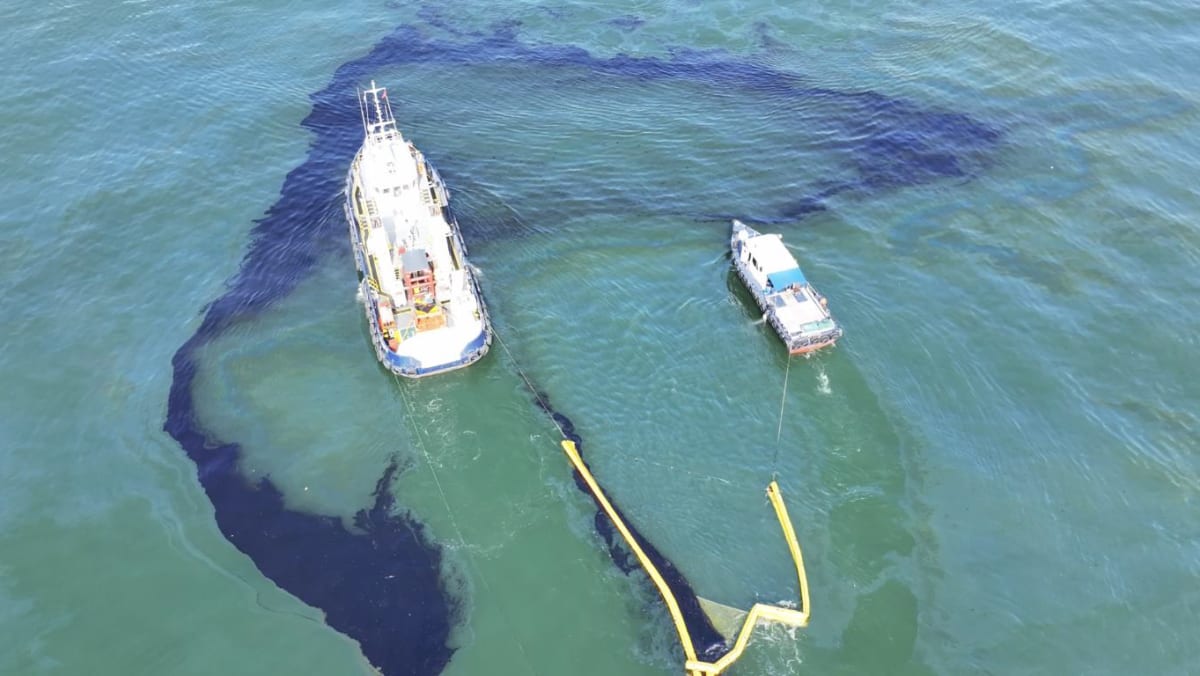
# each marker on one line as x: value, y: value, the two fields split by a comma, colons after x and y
x: 782, y: 400
x: 528, y: 383
x: 412, y: 415
x: 759, y: 612
x: 680, y: 470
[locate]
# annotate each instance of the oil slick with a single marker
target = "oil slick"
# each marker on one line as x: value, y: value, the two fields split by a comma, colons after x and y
x: 709, y: 642
x: 380, y: 582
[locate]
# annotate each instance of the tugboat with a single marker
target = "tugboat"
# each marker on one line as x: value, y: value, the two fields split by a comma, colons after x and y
x: 424, y: 307
x: 797, y: 312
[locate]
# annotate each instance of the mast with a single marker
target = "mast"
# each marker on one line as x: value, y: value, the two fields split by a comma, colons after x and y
x: 378, y: 122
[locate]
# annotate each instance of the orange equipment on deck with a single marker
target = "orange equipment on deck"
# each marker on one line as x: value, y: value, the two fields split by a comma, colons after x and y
x: 420, y: 285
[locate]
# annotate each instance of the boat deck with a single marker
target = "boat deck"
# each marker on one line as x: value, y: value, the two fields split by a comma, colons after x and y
x: 440, y: 346
x: 796, y: 309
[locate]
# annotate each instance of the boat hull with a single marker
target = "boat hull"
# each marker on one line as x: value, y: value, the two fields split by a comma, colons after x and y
x: 399, y: 364
x: 813, y: 347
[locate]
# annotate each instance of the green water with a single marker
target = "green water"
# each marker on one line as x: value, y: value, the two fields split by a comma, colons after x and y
x: 996, y: 471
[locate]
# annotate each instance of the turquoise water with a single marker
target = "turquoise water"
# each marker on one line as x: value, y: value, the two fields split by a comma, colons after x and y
x: 995, y: 472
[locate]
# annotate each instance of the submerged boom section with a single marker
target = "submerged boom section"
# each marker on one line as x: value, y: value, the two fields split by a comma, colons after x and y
x: 424, y: 307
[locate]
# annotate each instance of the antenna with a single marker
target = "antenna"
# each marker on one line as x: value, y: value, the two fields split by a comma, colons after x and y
x: 382, y: 126
x: 378, y: 109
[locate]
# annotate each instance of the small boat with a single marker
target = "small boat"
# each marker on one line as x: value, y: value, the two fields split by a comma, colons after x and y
x: 424, y: 307
x: 797, y: 312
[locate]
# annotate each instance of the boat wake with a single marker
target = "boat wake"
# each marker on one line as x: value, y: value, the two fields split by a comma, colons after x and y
x: 823, y: 381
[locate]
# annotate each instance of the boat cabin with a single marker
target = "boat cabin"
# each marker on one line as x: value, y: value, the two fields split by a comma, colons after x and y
x: 770, y: 264
x: 420, y: 286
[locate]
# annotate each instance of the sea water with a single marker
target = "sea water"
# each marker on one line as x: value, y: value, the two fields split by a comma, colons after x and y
x: 996, y: 471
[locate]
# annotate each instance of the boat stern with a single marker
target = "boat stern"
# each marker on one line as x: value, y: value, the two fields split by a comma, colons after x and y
x: 805, y: 344
x: 403, y: 362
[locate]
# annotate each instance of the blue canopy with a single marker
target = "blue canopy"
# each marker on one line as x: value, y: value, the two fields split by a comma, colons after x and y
x: 785, y: 278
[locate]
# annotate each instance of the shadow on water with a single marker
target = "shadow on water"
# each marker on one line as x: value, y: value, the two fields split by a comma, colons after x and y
x: 380, y: 583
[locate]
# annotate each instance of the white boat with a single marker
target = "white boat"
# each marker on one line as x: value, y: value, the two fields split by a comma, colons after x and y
x: 797, y: 312
x: 424, y: 307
